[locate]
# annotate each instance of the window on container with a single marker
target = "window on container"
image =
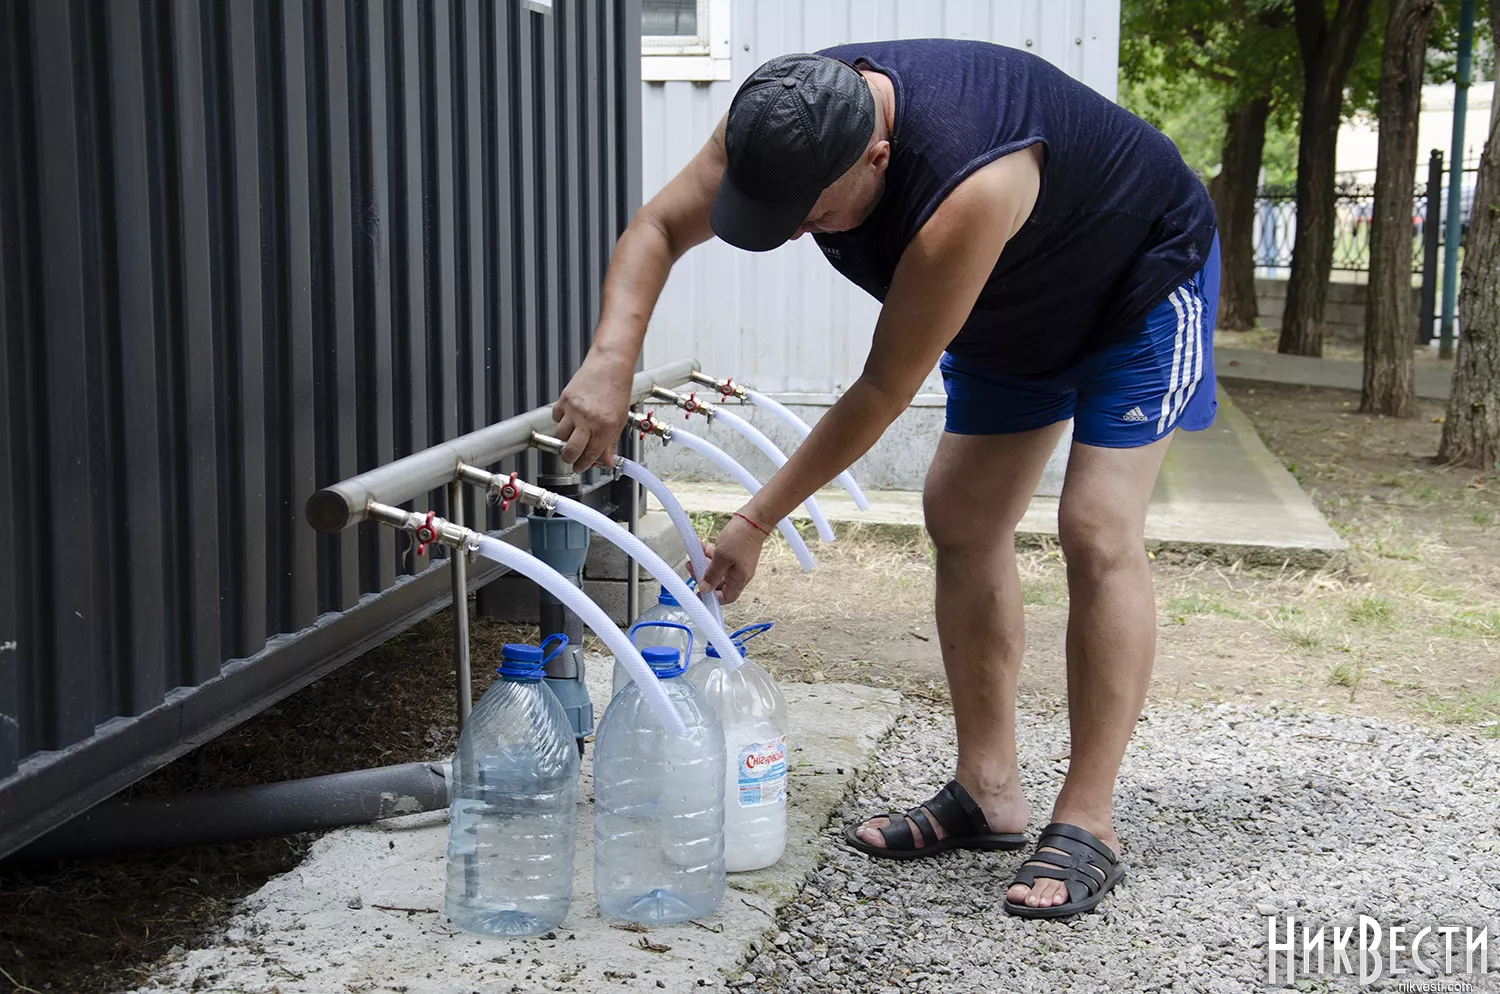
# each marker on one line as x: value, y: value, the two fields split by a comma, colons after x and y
x: 685, y: 39
x: 674, y: 27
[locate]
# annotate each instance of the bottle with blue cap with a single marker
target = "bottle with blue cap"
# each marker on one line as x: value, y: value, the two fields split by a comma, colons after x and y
x: 667, y: 609
x: 513, y: 817
x: 753, y: 713
x: 659, y: 801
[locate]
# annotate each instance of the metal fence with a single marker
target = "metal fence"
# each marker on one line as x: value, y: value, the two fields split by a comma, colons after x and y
x: 246, y: 250
x: 1354, y: 208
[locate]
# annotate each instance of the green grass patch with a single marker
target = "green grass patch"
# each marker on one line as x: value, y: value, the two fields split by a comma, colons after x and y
x: 1483, y: 518
x: 1394, y: 549
x: 1465, y: 707
x: 1038, y: 592
x: 1471, y: 624
x: 1292, y: 624
x: 1182, y: 607
x: 1348, y: 674
x: 1372, y: 612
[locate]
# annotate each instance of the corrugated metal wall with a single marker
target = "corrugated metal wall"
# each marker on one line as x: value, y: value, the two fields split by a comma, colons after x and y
x: 250, y: 249
x: 785, y: 321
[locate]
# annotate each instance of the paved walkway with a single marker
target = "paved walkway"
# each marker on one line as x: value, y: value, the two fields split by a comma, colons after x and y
x: 1432, y: 382
x: 1221, y: 493
x: 362, y: 914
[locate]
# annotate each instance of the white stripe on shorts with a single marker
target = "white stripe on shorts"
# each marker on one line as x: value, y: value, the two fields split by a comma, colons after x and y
x: 1166, y: 400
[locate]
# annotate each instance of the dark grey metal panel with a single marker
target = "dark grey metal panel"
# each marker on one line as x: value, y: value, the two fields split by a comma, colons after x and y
x: 249, y: 249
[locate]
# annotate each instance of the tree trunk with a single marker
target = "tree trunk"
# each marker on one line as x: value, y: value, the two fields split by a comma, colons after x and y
x: 1233, y: 192
x: 1327, y: 49
x: 1388, y: 314
x: 1471, y: 431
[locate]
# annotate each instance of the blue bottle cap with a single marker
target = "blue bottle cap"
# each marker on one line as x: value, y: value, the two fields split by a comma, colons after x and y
x: 519, y: 661
x: 665, y: 597
x: 665, y: 661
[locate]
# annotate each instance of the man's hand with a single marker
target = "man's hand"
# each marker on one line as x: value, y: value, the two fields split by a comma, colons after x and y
x: 591, y: 410
x: 733, y: 559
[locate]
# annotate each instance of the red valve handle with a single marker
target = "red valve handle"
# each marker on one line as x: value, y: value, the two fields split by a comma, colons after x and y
x: 648, y: 424
x: 726, y: 389
x: 426, y: 534
x: 690, y: 405
x: 509, y: 492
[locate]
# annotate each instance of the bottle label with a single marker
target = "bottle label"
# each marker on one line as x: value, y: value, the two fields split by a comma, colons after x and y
x: 763, y: 773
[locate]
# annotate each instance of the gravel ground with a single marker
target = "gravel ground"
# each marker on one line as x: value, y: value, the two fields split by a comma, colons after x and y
x: 1227, y: 814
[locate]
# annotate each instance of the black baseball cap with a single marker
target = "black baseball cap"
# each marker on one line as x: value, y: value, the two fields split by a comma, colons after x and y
x: 795, y: 126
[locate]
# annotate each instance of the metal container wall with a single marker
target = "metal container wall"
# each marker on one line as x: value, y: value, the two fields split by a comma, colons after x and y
x: 785, y: 321
x: 249, y: 249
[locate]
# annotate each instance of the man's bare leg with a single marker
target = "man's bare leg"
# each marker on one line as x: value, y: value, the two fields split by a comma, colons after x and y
x: 976, y: 492
x: 1111, y: 633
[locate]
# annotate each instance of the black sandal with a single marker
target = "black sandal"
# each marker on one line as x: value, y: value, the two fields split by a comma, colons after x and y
x: 1089, y: 868
x: 963, y: 824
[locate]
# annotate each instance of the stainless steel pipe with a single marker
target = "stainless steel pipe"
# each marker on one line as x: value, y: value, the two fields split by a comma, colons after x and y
x: 335, y: 508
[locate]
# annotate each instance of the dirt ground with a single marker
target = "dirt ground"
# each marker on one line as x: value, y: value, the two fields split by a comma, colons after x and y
x: 1407, y: 627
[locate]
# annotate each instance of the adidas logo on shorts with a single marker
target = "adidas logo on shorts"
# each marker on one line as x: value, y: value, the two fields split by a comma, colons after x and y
x: 1135, y: 414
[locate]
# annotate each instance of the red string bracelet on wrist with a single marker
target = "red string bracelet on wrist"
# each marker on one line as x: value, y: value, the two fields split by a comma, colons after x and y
x: 758, y: 527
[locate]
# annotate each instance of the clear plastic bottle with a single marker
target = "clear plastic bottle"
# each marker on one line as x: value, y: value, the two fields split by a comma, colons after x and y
x: 659, y: 804
x: 512, y: 822
x: 666, y: 608
x: 753, y: 713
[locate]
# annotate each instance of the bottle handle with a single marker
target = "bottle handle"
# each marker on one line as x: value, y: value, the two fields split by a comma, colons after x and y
x: 743, y: 635
x: 663, y: 624
x: 547, y: 657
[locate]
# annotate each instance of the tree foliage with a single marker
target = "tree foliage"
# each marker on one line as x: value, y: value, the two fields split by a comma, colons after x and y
x: 1183, y: 63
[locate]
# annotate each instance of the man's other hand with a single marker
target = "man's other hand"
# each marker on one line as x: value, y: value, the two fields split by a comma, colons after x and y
x: 732, y: 560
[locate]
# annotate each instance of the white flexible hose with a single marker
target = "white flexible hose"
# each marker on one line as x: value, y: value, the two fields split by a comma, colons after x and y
x: 746, y: 479
x: 774, y: 453
x: 846, y: 478
x: 593, y: 615
x: 657, y: 566
x: 684, y: 526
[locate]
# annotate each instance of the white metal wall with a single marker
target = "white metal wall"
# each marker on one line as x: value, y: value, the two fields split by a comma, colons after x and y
x: 785, y: 321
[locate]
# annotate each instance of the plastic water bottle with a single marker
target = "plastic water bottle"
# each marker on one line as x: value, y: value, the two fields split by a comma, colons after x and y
x: 512, y: 822
x: 753, y: 713
x: 659, y: 803
x: 666, y: 608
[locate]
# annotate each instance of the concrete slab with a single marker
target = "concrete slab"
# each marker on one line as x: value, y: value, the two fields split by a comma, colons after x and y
x: 1431, y: 382
x: 363, y: 912
x: 1221, y: 493
x: 606, y: 561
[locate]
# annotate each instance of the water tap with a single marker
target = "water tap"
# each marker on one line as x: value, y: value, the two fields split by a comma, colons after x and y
x: 647, y: 424
x: 426, y: 528
x: 691, y: 404
x: 726, y: 388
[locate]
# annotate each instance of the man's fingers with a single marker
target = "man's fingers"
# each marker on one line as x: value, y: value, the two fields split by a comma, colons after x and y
x: 578, y: 440
x: 708, y: 554
x: 734, y: 584
x: 714, y: 575
x: 598, y: 448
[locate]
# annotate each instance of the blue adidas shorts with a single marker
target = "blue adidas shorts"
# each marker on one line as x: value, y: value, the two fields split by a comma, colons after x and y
x: 1130, y: 394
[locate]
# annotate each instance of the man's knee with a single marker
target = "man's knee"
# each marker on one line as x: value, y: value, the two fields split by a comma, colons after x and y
x: 1096, y: 543
x: 958, y: 521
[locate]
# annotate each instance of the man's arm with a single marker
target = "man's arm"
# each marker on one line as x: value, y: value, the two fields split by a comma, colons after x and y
x: 591, y: 410
x: 932, y: 293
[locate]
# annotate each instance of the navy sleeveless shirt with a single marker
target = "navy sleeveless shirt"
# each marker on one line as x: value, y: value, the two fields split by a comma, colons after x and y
x: 1119, y: 223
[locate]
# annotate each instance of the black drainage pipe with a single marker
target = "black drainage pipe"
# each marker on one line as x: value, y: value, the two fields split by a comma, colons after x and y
x: 235, y: 814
